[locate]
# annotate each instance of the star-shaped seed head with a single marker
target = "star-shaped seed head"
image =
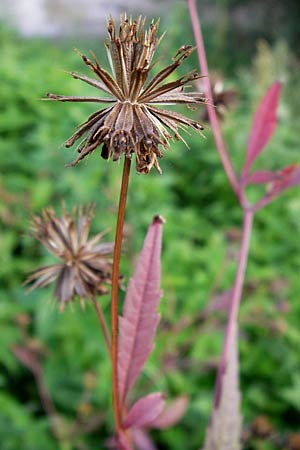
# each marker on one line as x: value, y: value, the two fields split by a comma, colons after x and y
x: 84, y: 265
x: 132, y: 122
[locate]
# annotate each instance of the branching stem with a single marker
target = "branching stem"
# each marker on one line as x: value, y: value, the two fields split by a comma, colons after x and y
x: 235, y: 298
x: 208, y: 92
x: 115, y: 289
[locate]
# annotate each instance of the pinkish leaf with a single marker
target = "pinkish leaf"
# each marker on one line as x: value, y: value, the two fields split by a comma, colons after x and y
x: 122, y: 442
x: 171, y: 414
x: 260, y: 177
x: 264, y: 125
x: 282, y: 180
x: 224, y: 431
x: 144, y: 411
x: 140, y: 318
x: 142, y: 440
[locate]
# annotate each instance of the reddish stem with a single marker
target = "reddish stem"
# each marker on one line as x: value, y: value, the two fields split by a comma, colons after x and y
x: 115, y: 290
x: 47, y: 402
x: 208, y: 92
x: 236, y: 298
x: 102, y: 323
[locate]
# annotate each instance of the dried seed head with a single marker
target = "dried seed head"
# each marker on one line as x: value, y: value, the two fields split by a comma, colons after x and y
x: 132, y: 123
x: 223, y: 99
x: 84, y: 266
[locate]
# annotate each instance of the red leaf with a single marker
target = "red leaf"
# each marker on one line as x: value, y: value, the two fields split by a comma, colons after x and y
x: 140, y: 318
x: 260, y: 177
x: 122, y: 442
x: 171, y: 413
x: 264, y: 125
x: 282, y: 180
x: 142, y: 440
x: 145, y: 410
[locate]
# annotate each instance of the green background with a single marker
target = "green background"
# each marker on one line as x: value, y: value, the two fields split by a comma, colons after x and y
x: 200, y: 244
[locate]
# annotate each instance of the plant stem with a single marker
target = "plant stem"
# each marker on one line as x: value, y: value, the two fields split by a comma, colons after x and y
x: 48, y: 404
x: 115, y: 289
x: 236, y: 298
x: 102, y: 322
x: 208, y: 92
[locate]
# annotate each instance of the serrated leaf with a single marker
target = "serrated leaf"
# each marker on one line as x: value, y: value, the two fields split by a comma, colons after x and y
x: 140, y: 318
x: 280, y: 181
x: 260, y: 177
x: 144, y: 411
x: 224, y: 431
x: 121, y: 442
x: 264, y: 125
x: 172, y: 413
x: 142, y: 440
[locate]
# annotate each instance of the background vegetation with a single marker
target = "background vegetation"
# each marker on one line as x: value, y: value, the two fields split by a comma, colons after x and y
x: 200, y: 245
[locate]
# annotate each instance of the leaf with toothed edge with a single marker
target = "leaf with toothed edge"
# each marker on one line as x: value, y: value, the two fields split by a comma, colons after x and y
x: 171, y: 414
x: 145, y: 411
x: 263, y: 127
x: 138, y: 323
x: 121, y: 442
x: 142, y: 440
x: 278, y: 182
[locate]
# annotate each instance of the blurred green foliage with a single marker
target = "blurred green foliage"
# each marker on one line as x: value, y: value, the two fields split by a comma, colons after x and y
x: 199, y: 254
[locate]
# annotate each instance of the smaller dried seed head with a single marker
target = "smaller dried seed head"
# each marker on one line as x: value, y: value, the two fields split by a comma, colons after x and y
x: 132, y: 122
x: 223, y: 99
x: 84, y: 265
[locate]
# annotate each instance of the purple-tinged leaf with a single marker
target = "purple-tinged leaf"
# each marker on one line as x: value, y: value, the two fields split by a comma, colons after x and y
x: 140, y: 318
x: 225, y: 427
x: 282, y: 180
x: 260, y: 177
x: 264, y: 125
x: 121, y: 442
x: 141, y: 439
x: 171, y: 414
x: 144, y: 411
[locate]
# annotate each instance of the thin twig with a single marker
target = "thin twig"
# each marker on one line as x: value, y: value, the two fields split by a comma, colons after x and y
x: 102, y: 322
x: 208, y: 92
x: 236, y: 298
x: 47, y: 402
x: 115, y: 289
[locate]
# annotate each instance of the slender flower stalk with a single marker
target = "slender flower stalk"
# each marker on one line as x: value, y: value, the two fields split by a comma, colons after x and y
x: 102, y: 323
x: 48, y: 404
x: 114, y: 290
x: 236, y: 297
x: 30, y: 354
x: 220, y: 144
